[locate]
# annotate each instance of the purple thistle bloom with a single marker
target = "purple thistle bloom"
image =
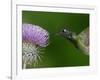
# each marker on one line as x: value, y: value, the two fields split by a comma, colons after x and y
x: 35, y: 34
x: 33, y: 39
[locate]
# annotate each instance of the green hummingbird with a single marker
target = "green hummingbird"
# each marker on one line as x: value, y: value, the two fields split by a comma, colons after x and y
x: 80, y: 41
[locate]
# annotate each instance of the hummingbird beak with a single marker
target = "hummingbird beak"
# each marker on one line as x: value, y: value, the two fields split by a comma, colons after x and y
x: 57, y: 34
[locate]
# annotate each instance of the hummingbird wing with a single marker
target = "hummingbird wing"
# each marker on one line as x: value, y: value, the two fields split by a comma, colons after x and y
x: 83, y: 41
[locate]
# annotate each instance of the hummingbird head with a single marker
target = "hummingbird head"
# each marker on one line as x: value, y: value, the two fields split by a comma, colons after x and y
x: 67, y: 34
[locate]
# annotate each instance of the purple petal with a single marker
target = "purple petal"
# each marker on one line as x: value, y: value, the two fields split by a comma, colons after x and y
x: 35, y: 34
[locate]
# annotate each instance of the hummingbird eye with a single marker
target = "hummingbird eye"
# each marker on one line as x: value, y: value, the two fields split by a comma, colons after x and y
x: 64, y: 30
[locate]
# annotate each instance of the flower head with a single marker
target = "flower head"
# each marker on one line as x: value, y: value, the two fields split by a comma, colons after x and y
x: 35, y: 34
x: 33, y: 39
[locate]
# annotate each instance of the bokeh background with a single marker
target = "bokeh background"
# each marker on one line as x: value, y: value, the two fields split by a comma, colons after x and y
x: 60, y: 52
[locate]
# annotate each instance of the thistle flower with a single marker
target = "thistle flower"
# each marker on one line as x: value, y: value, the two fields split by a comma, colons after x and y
x: 34, y: 38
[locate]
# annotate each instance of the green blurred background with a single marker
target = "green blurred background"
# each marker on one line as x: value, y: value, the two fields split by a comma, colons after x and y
x: 60, y: 52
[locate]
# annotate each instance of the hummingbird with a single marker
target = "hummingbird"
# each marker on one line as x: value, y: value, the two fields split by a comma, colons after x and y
x: 80, y: 41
